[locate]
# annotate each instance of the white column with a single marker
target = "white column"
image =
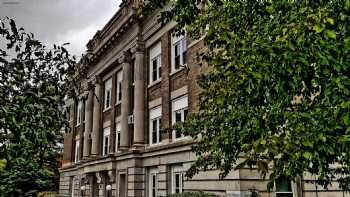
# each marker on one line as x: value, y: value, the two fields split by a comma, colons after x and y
x: 139, y: 97
x: 96, y: 130
x: 88, y: 123
x: 125, y: 108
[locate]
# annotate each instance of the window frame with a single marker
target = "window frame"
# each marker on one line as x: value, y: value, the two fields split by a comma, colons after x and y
x: 107, y: 104
x: 155, y: 53
x: 179, y: 105
x: 106, y: 133
x: 155, y: 114
x: 181, y: 42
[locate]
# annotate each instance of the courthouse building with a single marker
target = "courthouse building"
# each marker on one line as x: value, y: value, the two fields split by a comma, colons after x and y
x: 141, y: 80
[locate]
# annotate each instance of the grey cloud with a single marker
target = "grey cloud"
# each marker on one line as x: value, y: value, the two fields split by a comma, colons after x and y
x: 60, y: 21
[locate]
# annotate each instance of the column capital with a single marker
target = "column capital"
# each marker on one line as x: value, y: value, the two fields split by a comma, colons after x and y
x: 96, y: 80
x: 125, y: 58
x: 139, y: 47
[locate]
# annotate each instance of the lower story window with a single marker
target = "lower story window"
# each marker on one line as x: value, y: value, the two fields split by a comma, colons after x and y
x: 153, y: 183
x: 177, y: 180
x: 179, y: 114
x: 106, y: 133
x: 118, y: 129
x: 155, y: 125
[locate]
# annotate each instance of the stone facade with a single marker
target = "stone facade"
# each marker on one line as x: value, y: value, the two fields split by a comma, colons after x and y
x: 115, y: 149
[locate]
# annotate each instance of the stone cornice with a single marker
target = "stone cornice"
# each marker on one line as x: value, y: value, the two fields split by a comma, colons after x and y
x: 113, y: 30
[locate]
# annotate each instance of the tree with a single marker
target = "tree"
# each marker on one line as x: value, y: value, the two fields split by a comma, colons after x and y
x: 34, y: 81
x: 278, y: 93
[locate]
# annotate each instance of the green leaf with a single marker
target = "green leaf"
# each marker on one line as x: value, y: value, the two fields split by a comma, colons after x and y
x: 307, y: 155
x: 331, y: 34
x: 318, y: 28
x: 330, y: 21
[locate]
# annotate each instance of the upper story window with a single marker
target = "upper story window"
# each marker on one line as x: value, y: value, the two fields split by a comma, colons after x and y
x: 79, y: 112
x: 155, y: 63
x: 105, y: 144
x: 155, y: 117
x: 153, y: 183
x: 108, y: 94
x: 284, y: 188
x: 179, y: 114
x: 117, y: 136
x: 177, y: 180
x: 77, y: 151
x: 178, y: 52
x: 119, y: 86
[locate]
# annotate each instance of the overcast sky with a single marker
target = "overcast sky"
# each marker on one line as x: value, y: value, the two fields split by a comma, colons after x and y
x: 61, y: 21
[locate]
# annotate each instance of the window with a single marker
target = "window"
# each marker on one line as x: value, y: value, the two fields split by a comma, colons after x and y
x: 77, y: 151
x: 284, y: 188
x: 155, y: 116
x: 119, y: 86
x: 179, y: 114
x: 117, y: 136
x: 108, y: 94
x: 179, y: 52
x: 153, y: 183
x: 155, y: 63
x: 106, y: 132
x: 79, y: 110
x: 177, y: 181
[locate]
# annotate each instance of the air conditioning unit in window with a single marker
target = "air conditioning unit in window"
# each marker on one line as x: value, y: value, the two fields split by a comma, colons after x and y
x: 131, y: 119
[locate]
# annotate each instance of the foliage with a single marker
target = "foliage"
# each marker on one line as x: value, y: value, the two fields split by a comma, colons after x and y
x: 279, y: 90
x: 33, y: 85
x: 192, y: 194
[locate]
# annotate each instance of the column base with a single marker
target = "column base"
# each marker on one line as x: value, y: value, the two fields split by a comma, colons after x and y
x: 123, y: 148
x: 138, y: 146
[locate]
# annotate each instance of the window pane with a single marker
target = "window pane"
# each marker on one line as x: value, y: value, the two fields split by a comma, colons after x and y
x: 177, y: 56
x: 178, y: 116
x: 118, y: 138
x: 283, y: 185
x: 154, y: 131
x: 177, y: 181
x: 184, y: 57
x: 153, y: 180
x: 185, y: 113
x: 154, y: 70
x: 120, y: 92
x: 177, y: 49
x: 284, y: 194
x: 177, y: 62
x: 108, y: 99
x: 159, y: 129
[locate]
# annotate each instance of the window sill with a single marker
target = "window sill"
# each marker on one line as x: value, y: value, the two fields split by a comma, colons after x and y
x: 154, y: 83
x: 182, y: 67
x: 107, y: 109
x: 155, y: 145
x: 180, y: 139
